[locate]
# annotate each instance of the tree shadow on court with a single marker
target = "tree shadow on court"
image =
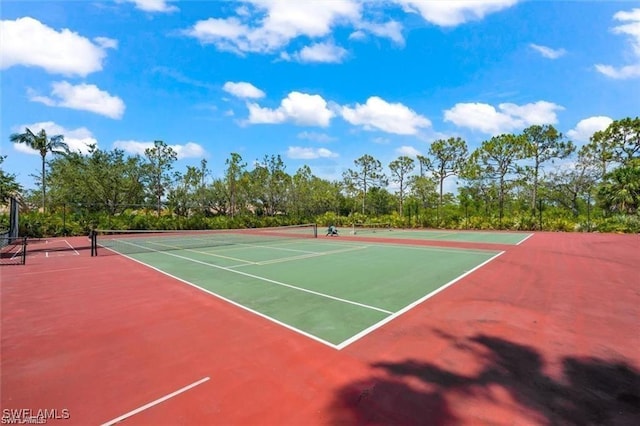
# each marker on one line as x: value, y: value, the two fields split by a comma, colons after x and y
x: 591, y: 391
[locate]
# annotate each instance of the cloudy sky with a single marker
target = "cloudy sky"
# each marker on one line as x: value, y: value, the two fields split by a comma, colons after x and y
x: 318, y: 82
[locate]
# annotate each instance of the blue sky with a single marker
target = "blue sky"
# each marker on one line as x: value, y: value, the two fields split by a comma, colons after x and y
x: 318, y: 82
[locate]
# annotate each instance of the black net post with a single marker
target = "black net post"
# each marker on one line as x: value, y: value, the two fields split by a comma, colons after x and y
x: 24, y: 250
x: 93, y: 237
x: 13, y: 218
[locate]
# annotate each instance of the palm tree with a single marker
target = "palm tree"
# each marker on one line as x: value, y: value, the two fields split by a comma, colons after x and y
x: 43, y: 144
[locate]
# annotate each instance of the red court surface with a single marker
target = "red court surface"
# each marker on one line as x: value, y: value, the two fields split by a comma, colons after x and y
x: 547, y: 333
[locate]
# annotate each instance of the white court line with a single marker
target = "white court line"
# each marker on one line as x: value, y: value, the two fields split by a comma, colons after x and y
x: 72, y: 248
x: 411, y: 306
x: 156, y: 402
x: 196, y: 251
x: 305, y: 290
x: 242, y: 246
x: 303, y: 256
x: 525, y: 239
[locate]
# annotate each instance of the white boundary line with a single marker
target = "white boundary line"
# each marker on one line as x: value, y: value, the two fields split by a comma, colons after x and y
x: 303, y: 256
x: 525, y: 239
x: 156, y: 402
x: 412, y: 305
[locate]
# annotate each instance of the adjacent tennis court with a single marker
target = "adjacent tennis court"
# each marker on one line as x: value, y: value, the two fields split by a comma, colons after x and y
x: 386, y: 231
x: 329, y: 290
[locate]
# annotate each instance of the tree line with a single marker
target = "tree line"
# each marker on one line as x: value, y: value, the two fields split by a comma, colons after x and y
x: 536, y: 179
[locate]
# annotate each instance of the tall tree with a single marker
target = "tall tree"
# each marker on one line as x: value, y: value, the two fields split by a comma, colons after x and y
x: 160, y: 159
x: 624, y: 138
x: 447, y: 158
x: 44, y: 145
x: 543, y: 144
x: 620, y: 190
x: 400, y: 168
x: 497, y: 159
x: 185, y: 194
x: 8, y: 184
x: 270, y: 185
x: 233, y: 176
x: 101, y: 181
x: 599, y: 152
x: 369, y: 174
x: 301, y: 192
x: 570, y: 186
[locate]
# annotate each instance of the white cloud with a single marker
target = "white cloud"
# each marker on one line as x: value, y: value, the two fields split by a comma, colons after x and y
x: 619, y: 73
x: 548, y: 52
x: 391, y: 30
x: 389, y: 117
x: 28, y: 42
x: 275, y: 24
x: 300, y: 153
x: 358, y: 35
x: 408, y: 151
x: 508, y: 117
x: 316, y: 137
x: 631, y: 28
x: 154, y: 5
x: 106, y: 42
x: 380, y: 140
x: 78, y: 140
x: 243, y: 90
x: 452, y: 13
x: 188, y: 150
x: 318, y: 52
x: 268, y: 26
x: 587, y: 127
x: 300, y: 108
x: 86, y: 97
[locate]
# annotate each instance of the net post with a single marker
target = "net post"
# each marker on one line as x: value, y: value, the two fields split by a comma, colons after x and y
x: 24, y: 250
x: 315, y: 230
x: 94, y: 242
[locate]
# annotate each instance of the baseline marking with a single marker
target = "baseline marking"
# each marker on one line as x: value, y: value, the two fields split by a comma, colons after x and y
x: 525, y: 239
x: 412, y: 305
x: 156, y: 402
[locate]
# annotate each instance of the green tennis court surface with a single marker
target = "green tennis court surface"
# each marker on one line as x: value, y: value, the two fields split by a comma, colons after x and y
x: 444, y: 235
x: 331, y: 291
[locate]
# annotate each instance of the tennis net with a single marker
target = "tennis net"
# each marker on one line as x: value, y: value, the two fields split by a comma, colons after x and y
x: 137, y: 241
x: 369, y: 228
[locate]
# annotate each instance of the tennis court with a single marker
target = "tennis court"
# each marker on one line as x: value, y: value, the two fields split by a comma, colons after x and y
x: 321, y: 330
x: 331, y: 291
